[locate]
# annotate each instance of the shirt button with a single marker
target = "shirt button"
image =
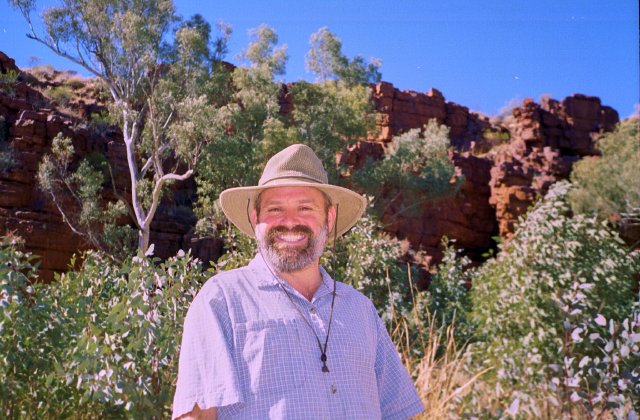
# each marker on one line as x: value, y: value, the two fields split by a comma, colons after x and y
x: 313, y: 310
x: 333, y: 389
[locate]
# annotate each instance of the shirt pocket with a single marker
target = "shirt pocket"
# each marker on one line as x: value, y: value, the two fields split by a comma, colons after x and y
x: 270, y: 351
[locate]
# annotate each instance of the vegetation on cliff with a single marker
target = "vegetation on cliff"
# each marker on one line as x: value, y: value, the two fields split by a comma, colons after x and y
x: 609, y: 185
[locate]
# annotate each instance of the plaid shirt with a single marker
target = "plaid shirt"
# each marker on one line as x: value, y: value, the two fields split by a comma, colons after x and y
x: 247, y: 351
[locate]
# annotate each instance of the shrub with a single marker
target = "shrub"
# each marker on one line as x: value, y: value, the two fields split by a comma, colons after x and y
x: 123, y: 323
x: 369, y: 260
x: 77, y: 193
x: 8, y: 82
x: 61, y: 94
x: 610, y: 185
x: 448, y: 297
x: 555, y: 276
x: 101, y: 342
x: 31, y: 343
x: 416, y: 169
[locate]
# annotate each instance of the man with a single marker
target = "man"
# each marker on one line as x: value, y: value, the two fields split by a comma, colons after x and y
x: 279, y: 338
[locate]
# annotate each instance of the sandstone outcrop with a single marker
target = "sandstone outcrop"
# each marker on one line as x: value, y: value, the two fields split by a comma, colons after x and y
x: 546, y: 140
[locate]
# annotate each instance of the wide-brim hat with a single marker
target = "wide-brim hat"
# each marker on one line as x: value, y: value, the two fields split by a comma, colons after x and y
x: 295, y: 166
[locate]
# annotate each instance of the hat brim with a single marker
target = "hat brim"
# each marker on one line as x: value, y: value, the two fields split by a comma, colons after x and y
x: 237, y: 203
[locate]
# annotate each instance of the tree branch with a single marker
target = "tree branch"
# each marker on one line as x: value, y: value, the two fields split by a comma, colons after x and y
x: 158, y: 189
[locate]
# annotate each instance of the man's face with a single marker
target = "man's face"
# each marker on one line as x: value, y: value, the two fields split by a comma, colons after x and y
x: 292, y: 226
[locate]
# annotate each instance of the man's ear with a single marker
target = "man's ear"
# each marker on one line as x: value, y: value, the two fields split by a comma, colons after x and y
x: 331, y: 218
x: 253, y: 218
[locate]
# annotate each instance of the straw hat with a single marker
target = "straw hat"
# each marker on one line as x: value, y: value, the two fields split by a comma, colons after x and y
x: 295, y: 166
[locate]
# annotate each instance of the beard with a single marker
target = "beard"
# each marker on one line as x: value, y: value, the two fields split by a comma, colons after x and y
x: 289, y: 259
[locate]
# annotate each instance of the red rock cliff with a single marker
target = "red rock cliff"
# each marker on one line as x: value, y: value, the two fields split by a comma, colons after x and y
x: 506, y: 164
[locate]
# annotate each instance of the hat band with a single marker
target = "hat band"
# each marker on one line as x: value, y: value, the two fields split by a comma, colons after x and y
x: 293, y: 178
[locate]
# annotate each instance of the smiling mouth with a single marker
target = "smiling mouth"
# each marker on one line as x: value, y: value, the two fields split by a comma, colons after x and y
x: 291, y: 238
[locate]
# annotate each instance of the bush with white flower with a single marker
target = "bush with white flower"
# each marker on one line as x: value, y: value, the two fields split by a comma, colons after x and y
x: 102, y: 342
x: 556, y: 316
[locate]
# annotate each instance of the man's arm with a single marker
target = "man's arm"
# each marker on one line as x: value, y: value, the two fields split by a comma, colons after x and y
x: 398, y: 396
x: 198, y: 414
x: 206, y: 369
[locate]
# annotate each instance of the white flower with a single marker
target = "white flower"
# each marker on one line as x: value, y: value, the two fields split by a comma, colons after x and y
x: 575, y: 335
x: 624, y: 350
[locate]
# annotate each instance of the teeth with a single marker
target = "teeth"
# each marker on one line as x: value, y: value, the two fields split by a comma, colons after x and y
x: 291, y: 238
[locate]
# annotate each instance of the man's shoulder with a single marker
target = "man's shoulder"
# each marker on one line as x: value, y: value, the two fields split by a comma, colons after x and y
x: 352, y: 294
x: 224, y: 280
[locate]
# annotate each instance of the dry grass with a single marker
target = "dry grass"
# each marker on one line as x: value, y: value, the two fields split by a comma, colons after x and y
x: 439, y: 373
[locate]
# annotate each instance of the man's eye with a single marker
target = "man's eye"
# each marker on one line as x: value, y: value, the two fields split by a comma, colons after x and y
x: 273, y: 210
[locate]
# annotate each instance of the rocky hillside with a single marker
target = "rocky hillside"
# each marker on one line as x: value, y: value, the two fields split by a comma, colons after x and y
x: 506, y: 163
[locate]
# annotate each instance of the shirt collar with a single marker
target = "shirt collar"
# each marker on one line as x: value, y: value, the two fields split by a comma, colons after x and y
x: 265, y: 276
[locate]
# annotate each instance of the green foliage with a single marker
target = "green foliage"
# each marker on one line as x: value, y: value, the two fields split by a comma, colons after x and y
x: 262, y: 53
x: 30, y: 343
x: 100, y: 122
x: 448, y: 294
x: 245, y: 126
x: 77, y: 192
x: 330, y: 116
x: 369, y: 260
x: 61, y: 94
x: 239, y: 250
x: 8, y: 82
x: 417, y: 167
x: 556, y: 275
x: 610, y: 185
x: 102, y: 342
x: 124, y: 323
x: 7, y: 160
x: 326, y: 61
x: 163, y: 89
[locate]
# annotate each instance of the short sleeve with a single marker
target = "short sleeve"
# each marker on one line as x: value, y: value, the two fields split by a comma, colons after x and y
x: 398, y: 396
x: 207, y: 374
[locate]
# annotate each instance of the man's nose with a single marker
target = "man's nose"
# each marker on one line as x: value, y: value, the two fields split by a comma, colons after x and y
x: 290, y: 219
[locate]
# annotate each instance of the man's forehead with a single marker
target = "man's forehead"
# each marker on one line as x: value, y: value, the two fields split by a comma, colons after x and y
x: 302, y: 194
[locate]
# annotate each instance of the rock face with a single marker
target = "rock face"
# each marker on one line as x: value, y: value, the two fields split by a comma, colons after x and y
x: 26, y: 211
x: 546, y: 141
x: 400, y: 111
x: 506, y: 164
x: 467, y: 218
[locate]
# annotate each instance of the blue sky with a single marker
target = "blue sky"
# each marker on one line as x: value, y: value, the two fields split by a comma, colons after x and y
x: 479, y: 54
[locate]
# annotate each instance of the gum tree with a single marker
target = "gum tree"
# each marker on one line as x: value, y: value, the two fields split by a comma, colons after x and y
x: 326, y: 60
x: 164, y: 115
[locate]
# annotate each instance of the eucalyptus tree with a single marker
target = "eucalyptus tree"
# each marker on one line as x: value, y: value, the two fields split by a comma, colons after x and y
x: 326, y: 60
x: 165, y: 116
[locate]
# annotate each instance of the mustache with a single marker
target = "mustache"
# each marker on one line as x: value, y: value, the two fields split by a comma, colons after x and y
x: 299, y: 229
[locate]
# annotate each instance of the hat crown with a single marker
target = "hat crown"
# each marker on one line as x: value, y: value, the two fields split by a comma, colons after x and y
x: 296, y: 161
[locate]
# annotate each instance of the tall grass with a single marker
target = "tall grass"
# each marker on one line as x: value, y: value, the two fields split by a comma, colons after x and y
x: 435, y: 360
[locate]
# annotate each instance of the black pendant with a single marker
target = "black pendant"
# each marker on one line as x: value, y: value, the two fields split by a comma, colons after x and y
x: 323, y: 359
